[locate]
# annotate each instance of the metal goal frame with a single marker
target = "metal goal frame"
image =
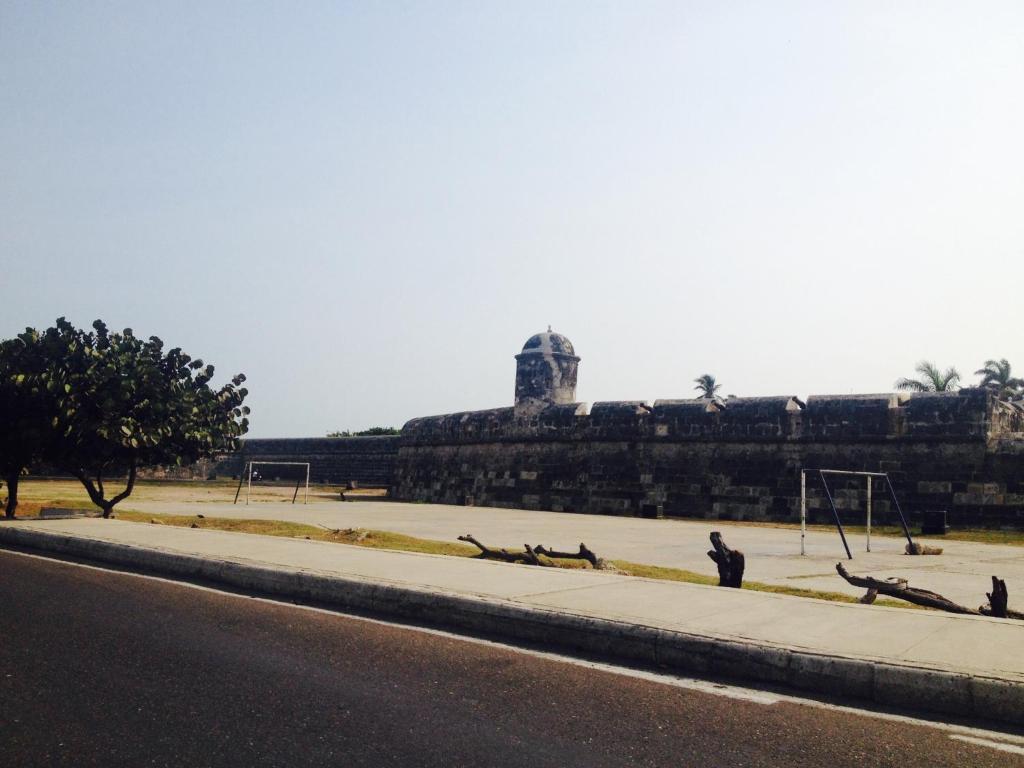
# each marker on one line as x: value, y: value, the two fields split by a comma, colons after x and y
x: 869, y: 476
x: 247, y: 471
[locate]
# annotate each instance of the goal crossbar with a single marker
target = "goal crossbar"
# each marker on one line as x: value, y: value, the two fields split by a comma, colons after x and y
x: 248, y: 469
x: 869, y: 476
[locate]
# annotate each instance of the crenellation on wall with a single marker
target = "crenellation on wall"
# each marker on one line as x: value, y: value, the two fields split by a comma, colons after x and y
x: 851, y: 417
x: 948, y: 415
x: 757, y: 418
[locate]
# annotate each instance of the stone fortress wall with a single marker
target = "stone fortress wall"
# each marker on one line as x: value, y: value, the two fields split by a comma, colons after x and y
x: 368, y: 461
x: 741, y: 460
x: 737, y: 459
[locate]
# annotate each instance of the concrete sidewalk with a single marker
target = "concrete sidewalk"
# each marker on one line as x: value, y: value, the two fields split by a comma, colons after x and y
x: 963, y: 665
x: 963, y: 573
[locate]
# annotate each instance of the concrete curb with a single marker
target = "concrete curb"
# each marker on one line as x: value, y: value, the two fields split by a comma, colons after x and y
x: 915, y: 688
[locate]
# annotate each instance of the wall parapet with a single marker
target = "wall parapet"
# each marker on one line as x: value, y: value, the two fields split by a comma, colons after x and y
x: 970, y: 415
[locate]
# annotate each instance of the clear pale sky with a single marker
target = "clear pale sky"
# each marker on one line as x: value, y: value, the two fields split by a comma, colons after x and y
x: 368, y: 207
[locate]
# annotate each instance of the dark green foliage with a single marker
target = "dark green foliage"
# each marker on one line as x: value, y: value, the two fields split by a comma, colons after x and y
x: 26, y: 411
x: 998, y: 378
x: 931, y: 379
x: 707, y: 386
x: 372, y: 431
x: 117, y: 403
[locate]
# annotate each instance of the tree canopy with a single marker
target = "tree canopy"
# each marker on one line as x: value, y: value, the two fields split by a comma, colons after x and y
x: 706, y: 385
x: 931, y: 379
x: 997, y: 376
x: 26, y: 412
x: 115, y: 403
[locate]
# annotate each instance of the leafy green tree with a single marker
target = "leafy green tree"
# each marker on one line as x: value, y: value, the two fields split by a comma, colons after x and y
x: 707, y: 385
x: 931, y: 379
x: 122, y: 404
x: 997, y: 377
x: 26, y: 411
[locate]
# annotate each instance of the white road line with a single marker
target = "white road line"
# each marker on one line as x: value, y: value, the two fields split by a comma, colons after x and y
x: 1001, y: 746
x: 983, y: 737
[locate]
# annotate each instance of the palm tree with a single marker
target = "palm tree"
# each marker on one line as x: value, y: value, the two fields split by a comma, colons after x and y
x: 707, y: 385
x: 931, y: 379
x: 996, y: 377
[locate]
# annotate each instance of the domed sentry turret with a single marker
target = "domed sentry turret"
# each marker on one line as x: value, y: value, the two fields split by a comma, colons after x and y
x: 546, y: 372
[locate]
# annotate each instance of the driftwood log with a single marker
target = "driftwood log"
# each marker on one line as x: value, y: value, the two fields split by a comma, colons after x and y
x: 730, y: 562
x: 538, y: 555
x: 583, y: 554
x: 900, y: 589
x: 498, y: 554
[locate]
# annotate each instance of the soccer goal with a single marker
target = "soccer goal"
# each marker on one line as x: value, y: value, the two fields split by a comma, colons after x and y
x: 869, y: 477
x: 251, y: 473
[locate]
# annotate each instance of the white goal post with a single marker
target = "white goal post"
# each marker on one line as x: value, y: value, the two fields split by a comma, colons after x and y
x: 247, y: 472
x: 868, y: 476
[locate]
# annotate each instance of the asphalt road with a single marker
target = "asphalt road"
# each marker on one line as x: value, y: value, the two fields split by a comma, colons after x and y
x: 99, y: 668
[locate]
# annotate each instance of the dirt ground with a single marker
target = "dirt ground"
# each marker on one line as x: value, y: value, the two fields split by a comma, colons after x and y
x: 36, y: 493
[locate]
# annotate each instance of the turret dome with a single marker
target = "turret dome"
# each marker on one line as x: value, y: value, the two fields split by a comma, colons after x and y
x: 545, y: 372
x: 549, y: 342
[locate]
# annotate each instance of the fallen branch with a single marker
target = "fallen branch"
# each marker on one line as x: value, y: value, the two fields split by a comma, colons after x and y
x: 494, y: 554
x: 583, y: 554
x: 532, y: 557
x: 898, y: 588
x: 538, y: 555
x: 730, y: 562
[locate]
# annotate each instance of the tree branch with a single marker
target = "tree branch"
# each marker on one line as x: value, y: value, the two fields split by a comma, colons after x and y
x: 898, y: 588
x: 583, y: 554
x: 493, y: 554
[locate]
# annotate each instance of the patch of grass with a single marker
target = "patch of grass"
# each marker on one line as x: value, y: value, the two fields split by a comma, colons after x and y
x: 70, y: 493
x: 661, y: 572
x: 363, y: 537
x: 358, y: 536
x: 692, y: 577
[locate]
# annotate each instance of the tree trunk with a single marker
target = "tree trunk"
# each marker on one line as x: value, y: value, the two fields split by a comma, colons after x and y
x: 730, y: 562
x: 898, y: 588
x: 12, y: 494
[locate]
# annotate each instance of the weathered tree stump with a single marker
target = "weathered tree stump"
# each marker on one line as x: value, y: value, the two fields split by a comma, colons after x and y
x: 730, y: 562
x: 998, y: 598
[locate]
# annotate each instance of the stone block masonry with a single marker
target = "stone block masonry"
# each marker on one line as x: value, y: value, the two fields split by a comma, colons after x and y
x: 737, y: 460
x: 369, y: 461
